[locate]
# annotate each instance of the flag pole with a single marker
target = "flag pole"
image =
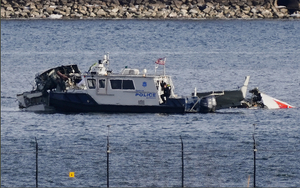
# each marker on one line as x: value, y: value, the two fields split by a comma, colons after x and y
x: 165, y: 66
x: 155, y: 67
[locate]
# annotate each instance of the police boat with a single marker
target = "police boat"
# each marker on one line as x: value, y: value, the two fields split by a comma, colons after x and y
x: 66, y: 89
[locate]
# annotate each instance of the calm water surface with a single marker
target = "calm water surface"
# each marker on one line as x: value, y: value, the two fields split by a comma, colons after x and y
x: 146, y: 148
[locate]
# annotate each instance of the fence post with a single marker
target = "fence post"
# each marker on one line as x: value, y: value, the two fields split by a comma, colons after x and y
x: 36, y: 163
x: 254, y: 158
x: 182, y: 164
x: 107, y: 157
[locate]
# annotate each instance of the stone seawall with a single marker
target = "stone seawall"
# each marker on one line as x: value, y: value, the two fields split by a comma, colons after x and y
x: 150, y: 9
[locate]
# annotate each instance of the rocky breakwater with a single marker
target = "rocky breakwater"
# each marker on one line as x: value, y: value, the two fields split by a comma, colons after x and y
x: 146, y: 9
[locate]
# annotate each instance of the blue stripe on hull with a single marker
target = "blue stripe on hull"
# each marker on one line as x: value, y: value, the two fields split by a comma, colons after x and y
x: 81, y: 102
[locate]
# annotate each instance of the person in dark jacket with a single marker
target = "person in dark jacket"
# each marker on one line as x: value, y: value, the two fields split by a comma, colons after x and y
x: 167, y: 92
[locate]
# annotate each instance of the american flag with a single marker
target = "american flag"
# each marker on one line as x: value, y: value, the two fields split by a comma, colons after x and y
x: 160, y: 61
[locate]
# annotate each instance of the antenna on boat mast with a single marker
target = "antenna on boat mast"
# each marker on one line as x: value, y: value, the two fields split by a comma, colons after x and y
x: 107, y: 56
x: 106, y: 59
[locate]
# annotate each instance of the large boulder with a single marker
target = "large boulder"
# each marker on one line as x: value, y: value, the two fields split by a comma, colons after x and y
x: 9, y: 9
x: 194, y: 11
x: 2, y: 12
x: 50, y: 10
x: 101, y: 13
x: 172, y: 15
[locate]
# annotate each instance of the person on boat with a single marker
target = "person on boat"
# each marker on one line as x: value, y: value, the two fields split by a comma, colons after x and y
x: 62, y: 76
x: 61, y: 81
x: 256, y: 99
x: 256, y: 93
x: 167, y: 92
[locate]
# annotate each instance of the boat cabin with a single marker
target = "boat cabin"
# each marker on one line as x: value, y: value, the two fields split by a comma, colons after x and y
x: 126, y: 88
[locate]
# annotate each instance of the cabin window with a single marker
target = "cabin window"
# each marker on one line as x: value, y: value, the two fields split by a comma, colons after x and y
x: 91, y: 83
x: 128, y: 84
x: 116, y: 84
x: 122, y: 84
x: 102, y: 83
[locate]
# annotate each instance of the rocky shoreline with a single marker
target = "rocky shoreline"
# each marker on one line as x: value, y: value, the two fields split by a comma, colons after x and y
x: 149, y: 9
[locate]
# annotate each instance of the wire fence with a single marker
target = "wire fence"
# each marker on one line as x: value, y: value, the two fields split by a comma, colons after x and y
x: 148, y: 163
